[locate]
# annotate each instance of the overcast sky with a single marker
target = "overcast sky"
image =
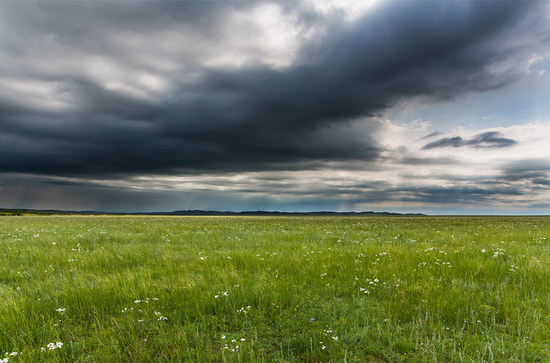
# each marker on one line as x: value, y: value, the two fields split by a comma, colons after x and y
x: 408, y: 106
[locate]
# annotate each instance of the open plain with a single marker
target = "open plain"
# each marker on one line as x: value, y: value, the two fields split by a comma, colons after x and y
x: 274, y: 289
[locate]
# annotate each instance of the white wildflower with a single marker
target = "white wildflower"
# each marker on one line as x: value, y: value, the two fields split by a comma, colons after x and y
x: 52, y: 346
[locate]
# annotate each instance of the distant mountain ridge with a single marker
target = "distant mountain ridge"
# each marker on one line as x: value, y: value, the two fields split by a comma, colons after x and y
x: 198, y: 212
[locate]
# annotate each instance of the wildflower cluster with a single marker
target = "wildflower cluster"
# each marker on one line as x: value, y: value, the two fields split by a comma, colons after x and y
x: 498, y: 251
x: 160, y: 316
x: 359, y: 256
x: 437, y: 261
x: 140, y: 301
x: 221, y: 293
x: 373, y: 282
x: 233, y: 346
x: 244, y: 310
x: 381, y: 255
x: 442, y: 263
x: 328, y: 332
x: 52, y: 346
x: 8, y: 355
x: 145, y: 301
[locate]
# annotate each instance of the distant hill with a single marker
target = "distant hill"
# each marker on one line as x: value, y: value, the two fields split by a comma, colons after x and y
x: 4, y: 211
x: 276, y: 213
x: 20, y: 212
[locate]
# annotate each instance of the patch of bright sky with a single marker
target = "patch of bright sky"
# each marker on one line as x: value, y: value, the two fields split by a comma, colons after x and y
x: 277, y: 37
x: 523, y: 101
x: 350, y: 9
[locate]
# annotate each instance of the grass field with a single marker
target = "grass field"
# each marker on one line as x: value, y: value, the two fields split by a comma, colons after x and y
x: 274, y: 289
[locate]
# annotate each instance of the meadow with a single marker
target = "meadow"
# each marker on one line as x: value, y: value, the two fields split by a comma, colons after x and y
x: 274, y: 289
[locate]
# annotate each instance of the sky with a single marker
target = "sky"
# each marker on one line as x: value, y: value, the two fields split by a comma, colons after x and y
x: 437, y: 107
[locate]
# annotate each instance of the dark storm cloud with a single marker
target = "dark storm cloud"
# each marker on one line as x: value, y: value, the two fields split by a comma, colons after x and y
x: 216, y: 119
x: 486, y: 140
x: 535, y: 171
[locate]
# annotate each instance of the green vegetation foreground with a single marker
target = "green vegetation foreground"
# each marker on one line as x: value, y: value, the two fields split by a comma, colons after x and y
x: 142, y: 289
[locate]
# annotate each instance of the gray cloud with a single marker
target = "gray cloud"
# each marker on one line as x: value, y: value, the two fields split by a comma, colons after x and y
x: 459, y: 194
x: 252, y: 194
x: 486, y: 140
x: 535, y: 171
x: 94, y: 93
x: 432, y: 134
x: 249, y: 118
x: 412, y: 160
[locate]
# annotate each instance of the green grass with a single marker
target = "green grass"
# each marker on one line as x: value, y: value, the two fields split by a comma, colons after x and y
x: 282, y: 289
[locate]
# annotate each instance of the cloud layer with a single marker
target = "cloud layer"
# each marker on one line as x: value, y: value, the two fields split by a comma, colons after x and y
x: 489, y: 139
x: 119, y: 90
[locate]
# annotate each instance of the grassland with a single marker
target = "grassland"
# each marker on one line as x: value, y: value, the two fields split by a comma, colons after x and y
x: 274, y: 289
